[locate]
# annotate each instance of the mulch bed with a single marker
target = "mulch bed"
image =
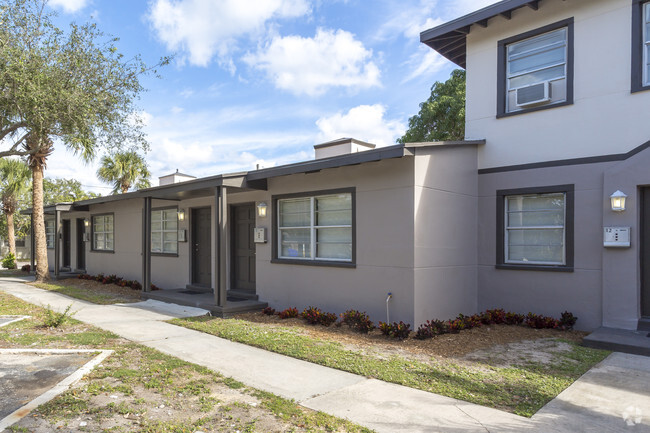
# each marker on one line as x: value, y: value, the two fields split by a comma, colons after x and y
x: 125, y: 293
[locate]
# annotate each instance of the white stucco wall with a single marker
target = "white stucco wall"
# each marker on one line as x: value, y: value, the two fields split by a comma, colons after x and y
x: 605, y: 118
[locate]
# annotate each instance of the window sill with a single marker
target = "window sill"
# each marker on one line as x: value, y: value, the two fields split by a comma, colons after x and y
x: 315, y: 263
x: 534, y: 109
x: 543, y: 268
x: 164, y: 254
x: 103, y: 251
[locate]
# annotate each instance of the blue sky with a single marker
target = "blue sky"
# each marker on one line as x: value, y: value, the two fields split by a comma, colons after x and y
x: 262, y: 81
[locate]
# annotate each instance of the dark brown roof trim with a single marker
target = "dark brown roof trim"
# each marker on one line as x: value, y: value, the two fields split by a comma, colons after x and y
x: 449, y: 39
x: 565, y: 162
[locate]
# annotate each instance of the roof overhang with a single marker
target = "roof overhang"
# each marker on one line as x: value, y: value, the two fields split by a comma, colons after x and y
x: 450, y: 39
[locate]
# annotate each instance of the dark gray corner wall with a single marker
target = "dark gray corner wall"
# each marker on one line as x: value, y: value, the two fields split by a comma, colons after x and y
x: 547, y: 292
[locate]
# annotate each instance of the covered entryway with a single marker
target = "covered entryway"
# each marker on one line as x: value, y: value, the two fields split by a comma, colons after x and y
x: 201, y: 247
x: 243, y: 249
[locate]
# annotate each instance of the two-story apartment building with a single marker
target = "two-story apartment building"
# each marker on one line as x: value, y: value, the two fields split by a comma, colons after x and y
x: 519, y: 216
x: 559, y: 91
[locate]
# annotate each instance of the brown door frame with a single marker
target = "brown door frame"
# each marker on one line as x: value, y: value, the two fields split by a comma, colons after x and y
x: 66, y: 235
x: 233, y: 246
x: 644, y: 234
x: 80, y: 229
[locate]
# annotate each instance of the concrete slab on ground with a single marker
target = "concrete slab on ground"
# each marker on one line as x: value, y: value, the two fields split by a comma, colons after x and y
x: 6, y: 320
x: 619, y: 340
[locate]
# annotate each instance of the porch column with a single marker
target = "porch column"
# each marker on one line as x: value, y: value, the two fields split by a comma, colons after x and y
x: 221, y: 225
x: 146, y: 245
x: 32, y: 245
x: 57, y: 243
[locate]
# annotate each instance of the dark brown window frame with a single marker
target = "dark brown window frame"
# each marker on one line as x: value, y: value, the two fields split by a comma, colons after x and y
x: 569, y: 191
x: 92, y: 233
x: 502, y: 58
x: 637, y: 46
x: 165, y: 254
x: 327, y: 263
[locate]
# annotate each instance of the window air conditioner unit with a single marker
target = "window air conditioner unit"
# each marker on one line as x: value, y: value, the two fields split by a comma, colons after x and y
x: 534, y: 94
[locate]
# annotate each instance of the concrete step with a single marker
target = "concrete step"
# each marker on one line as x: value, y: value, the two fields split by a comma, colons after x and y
x: 619, y: 340
x: 644, y: 324
x: 205, y: 300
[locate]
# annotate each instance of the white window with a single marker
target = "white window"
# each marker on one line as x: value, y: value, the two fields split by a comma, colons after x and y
x: 315, y: 228
x: 103, y: 232
x: 535, y: 229
x: 164, y: 231
x: 49, y: 233
x: 536, y: 70
x: 646, y: 44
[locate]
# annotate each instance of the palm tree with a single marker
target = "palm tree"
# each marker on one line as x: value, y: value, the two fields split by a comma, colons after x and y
x: 40, y: 147
x: 14, y: 178
x: 124, y: 170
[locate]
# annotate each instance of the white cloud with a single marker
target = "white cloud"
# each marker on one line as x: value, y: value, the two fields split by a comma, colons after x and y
x: 365, y: 122
x: 201, y: 29
x: 312, y: 65
x: 68, y: 6
x: 424, y: 61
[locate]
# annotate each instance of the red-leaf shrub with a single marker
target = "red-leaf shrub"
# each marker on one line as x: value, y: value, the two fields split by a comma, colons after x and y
x: 268, y: 311
x: 432, y: 328
x: 537, y: 321
x: 514, y: 318
x: 288, y: 313
x: 315, y: 316
x: 399, y: 330
x: 567, y: 320
x: 358, y: 321
x: 26, y: 268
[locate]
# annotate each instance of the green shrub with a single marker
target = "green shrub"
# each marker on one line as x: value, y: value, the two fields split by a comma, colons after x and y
x: 54, y: 319
x: 358, y: 321
x: 9, y: 261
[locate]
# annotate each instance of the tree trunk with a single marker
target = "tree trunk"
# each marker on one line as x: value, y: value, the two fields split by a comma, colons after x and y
x: 11, y: 233
x: 38, y: 230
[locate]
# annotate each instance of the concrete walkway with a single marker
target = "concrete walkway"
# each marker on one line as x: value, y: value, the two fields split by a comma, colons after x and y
x: 612, y: 397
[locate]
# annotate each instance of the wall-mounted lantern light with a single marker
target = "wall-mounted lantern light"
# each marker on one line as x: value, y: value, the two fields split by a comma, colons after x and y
x: 618, y: 201
x: 181, y: 214
x: 261, y: 210
x: 86, y: 223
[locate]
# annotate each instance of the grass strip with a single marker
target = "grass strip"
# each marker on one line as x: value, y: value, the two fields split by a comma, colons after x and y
x: 522, y: 390
x: 84, y: 294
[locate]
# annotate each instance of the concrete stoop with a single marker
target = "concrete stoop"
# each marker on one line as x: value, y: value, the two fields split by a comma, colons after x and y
x: 619, y: 340
x: 205, y: 299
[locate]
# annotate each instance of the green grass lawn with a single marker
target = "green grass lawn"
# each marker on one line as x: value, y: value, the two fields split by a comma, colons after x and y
x: 523, y: 389
x: 84, y: 294
x: 138, y: 389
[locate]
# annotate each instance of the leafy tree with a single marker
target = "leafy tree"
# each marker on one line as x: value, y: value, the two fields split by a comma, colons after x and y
x: 442, y: 116
x: 14, y: 182
x: 64, y: 191
x: 74, y: 86
x: 124, y: 170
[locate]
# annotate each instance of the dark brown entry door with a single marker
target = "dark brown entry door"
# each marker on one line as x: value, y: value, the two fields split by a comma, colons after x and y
x: 201, y: 247
x: 645, y: 253
x: 65, y: 229
x: 243, y: 247
x: 81, y: 245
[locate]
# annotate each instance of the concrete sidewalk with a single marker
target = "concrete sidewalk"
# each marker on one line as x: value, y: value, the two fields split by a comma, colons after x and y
x: 612, y: 397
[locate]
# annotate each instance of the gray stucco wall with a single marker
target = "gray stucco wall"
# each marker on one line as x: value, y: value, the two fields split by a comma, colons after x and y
x: 445, y: 216
x: 547, y: 292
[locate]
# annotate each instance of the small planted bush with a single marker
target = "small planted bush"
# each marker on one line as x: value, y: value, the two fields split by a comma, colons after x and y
x: 9, y: 261
x: 315, y: 316
x: 537, y: 321
x: 397, y: 330
x: 567, y: 320
x: 514, y: 318
x: 268, y: 311
x: 357, y: 321
x: 289, y: 313
x: 54, y: 319
x: 26, y: 268
x: 432, y: 328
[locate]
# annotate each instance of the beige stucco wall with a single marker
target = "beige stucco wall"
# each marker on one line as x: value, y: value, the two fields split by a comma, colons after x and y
x: 606, y: 118
x: 445, y: 219
x: 384, y: 245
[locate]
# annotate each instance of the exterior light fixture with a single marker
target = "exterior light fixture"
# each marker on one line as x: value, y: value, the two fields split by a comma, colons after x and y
x: 181, y: 214
x: 618, y: 201
x: 86, y: 222
x: 261, y: 210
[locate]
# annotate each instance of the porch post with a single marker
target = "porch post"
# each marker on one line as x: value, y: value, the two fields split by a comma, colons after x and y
x: 146, y: 245
x: 220, y: 224
x: 57, y: 242
x: 32, y: 245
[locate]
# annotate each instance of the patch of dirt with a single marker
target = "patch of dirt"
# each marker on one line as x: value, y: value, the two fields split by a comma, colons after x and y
x: 124, y: 294
x: 443, y: 346
x: 542, y: 351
